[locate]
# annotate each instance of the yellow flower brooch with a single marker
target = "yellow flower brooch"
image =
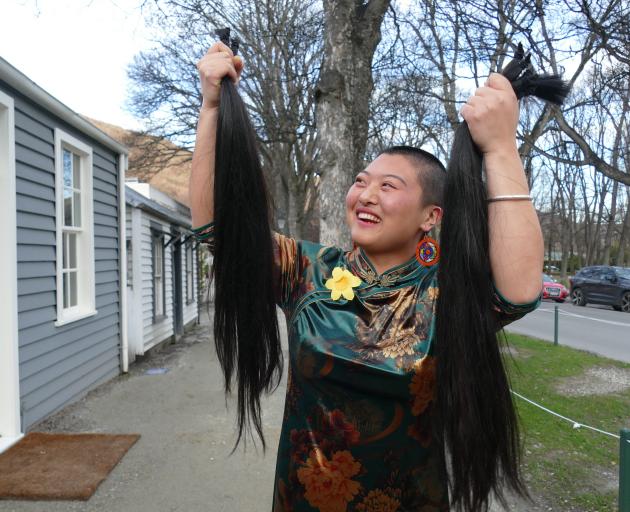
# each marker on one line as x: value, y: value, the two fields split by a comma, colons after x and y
x: 341, y: 283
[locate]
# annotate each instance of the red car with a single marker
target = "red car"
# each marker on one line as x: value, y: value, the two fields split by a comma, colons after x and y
x: 554, y: 290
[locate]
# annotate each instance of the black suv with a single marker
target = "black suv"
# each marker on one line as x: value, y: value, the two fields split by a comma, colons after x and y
x: 602, y: 285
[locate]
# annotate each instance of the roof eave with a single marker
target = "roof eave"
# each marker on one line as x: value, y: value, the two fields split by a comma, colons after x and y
x: 31, y: 90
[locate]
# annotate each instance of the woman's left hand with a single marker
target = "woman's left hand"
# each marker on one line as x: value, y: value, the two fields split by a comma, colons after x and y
x: 492, y: 116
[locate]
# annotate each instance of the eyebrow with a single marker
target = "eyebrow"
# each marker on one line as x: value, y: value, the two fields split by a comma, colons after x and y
x: 386, y: 175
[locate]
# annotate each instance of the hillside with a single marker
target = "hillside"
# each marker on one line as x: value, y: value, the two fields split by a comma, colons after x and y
x: 156, y: 161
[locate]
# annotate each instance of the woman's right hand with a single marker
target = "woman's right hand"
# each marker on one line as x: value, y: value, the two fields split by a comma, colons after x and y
x: 218, y: 62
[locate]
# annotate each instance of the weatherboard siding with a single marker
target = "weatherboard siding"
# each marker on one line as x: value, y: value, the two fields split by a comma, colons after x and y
x: 58, y: 365
x: 143, y: 331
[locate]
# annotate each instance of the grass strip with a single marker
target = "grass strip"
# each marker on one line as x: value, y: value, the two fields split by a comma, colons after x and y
x: 568, y: 469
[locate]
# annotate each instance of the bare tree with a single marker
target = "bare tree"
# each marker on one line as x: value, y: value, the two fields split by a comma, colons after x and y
x: 607, y: 53
x: 281, y: 46
x: 351, y: 35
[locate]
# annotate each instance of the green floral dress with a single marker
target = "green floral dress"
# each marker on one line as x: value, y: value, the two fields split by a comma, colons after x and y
x: 361, y: 380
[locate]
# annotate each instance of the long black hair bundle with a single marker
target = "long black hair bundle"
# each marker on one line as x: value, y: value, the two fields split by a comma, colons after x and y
x: 476, y: 417
x: 246, y: 332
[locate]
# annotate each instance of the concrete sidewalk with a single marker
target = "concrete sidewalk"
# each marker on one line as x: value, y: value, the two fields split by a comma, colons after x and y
x: 181, y: 462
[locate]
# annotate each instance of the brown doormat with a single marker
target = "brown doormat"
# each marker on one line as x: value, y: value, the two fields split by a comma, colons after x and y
x: 44, y: 466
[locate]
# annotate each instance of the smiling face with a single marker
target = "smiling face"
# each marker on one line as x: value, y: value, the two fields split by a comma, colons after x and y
x: 385, y: 209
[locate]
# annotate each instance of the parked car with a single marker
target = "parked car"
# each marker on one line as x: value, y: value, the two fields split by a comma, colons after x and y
x: 554, y: 290
x: 602, y: 285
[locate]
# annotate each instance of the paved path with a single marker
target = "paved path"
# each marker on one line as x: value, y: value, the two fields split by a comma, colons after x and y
x: 181, y: 463
x: 598, y: 329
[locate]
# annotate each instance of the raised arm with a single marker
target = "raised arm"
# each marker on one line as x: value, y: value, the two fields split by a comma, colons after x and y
x: 516, y: 243
x: 217, y: 63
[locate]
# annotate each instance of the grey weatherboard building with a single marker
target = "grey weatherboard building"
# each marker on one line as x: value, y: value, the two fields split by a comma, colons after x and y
x: 62, y: 268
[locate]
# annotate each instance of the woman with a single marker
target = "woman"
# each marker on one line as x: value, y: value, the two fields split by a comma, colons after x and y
x: 357, y: 431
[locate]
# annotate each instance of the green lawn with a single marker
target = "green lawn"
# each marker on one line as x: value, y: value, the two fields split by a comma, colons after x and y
x: 570, y: 469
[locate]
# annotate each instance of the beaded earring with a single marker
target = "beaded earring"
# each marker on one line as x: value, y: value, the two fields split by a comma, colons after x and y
x: 428, y: 251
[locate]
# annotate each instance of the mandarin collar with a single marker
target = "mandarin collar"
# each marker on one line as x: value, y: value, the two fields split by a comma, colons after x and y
x: 361, y: 266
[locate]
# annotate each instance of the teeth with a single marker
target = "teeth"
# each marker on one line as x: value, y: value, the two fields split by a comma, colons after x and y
x: 367, y: 216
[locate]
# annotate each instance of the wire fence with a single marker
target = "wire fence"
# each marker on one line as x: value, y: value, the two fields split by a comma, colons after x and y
x: 575, y: 424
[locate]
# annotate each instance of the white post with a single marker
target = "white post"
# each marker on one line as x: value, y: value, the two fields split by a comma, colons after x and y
x: 122, y: 251
x: 136, y: 327
x: 10, y: 421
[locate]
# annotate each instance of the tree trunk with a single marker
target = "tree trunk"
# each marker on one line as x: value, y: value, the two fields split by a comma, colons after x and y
x: 351, y: 35
x: 611, y: 224
x: 292, y: 218
x: 597, y: 246
x: 565, y: 245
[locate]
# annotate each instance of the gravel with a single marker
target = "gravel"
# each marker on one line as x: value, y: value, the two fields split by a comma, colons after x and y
x: 595, y: 381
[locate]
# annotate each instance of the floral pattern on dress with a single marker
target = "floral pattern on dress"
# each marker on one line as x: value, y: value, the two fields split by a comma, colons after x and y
x: 422, y: 387
x: 321, y: 462
x: 328, y: 483
x: 378, y: 500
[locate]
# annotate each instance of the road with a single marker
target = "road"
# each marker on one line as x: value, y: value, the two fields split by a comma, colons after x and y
x: 598, y: 329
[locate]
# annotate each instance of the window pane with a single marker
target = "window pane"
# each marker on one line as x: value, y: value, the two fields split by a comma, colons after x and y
x: 72, y: 250
x: 129, y: 263
x: 159, y: 297
x: 157, y: 269
x: 65, y: 290
x: 76, y: 170
x: 67, y: 168
x: 67, y: 207
x: 72, y: 289
x: 77, y: 209
x: 64, y: 250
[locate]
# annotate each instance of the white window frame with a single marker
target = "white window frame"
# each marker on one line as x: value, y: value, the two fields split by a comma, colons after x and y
x: 86, y: 297
x: 129, y: 262
x: 157, y: 242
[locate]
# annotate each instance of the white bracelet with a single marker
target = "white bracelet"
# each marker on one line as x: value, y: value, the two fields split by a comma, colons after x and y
x: 516, y: 197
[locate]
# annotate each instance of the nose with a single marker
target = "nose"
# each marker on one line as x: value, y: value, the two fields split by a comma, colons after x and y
x: 368, y: 195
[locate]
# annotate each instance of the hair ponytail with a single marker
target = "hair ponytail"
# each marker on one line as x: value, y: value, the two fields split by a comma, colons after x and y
x: 246, y: 332
x: 476, y: 416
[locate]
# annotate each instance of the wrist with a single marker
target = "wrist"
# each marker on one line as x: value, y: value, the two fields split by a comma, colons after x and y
x: 504, y: 173
x: 209, y: 108
x: 503, y: 153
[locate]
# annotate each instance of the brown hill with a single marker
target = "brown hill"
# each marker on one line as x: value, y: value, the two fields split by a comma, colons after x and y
x: 153, y: 160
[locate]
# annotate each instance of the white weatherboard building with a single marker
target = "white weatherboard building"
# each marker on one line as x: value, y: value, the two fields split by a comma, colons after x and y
x: 162, y: 278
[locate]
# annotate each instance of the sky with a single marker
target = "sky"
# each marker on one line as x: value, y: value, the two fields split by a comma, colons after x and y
x: 76, y: 50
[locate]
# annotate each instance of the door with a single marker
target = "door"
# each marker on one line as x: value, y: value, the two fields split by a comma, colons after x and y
x: 591, y: 284
x: 608, y: 286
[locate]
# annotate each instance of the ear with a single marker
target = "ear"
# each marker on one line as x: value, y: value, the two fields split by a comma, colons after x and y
x: 432, y: 215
